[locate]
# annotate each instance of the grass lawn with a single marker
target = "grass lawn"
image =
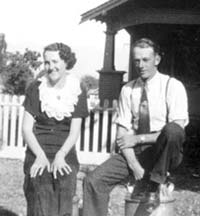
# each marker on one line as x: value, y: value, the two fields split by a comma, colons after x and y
x: 11, y: 181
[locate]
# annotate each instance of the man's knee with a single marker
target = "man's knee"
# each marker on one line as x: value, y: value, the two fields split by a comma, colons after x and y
x: 90, y: 180
x: 173, y: 136
x: 93, y: 183
x: 172, y: 129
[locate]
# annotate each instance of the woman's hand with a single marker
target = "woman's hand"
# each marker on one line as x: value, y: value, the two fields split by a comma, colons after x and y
x: 60, y: 165
x: 127, y: 141
x: 40, y: 164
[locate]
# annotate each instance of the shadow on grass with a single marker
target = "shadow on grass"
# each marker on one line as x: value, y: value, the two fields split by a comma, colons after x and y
x: 187, y: 176
x: 5, y: 212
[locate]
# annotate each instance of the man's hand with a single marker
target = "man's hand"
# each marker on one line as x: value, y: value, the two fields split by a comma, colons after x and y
x: 40, y: 164
x: 127, y: 141
x: 137, y: 169
x: 60, y: 165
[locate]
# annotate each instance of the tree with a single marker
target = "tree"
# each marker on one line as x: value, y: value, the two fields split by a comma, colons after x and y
x: 17, y: 71
x: 3, y: 46
x: 90, y: 82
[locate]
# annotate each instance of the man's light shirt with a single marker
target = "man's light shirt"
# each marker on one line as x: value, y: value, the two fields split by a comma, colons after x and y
x: 175, y: 100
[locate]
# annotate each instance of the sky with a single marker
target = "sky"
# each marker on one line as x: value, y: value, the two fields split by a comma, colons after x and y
x: 33, y: 24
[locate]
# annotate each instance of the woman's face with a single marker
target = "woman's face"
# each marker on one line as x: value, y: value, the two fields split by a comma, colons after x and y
x: 55, y: 66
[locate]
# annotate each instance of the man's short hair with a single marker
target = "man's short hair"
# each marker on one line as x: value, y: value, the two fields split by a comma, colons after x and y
x: 146, y: 42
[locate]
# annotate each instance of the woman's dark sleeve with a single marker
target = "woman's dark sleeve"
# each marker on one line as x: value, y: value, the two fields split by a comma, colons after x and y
x: 30, y: 96
x: 81, y: 109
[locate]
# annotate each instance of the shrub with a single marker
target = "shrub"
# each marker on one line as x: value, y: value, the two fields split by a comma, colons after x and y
x: 17, y: 71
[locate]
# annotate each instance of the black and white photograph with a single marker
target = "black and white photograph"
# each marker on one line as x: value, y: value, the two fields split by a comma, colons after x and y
x: 100, y: 108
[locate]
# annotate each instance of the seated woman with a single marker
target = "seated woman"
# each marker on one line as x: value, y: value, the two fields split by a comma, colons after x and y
x: 54, y: 107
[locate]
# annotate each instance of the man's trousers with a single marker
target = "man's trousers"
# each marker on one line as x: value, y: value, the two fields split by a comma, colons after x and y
x: 157, y: 159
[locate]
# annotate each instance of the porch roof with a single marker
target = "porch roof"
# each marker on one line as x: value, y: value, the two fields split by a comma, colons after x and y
x: 123, y: 13
x: 101, y: 10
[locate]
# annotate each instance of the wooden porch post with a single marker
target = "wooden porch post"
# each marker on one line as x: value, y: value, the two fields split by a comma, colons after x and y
x: 110, y: 80
x: 109, y: 53
x: 132, y: 72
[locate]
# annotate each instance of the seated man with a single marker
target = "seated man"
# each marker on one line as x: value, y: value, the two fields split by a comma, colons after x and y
x: 152, y: 114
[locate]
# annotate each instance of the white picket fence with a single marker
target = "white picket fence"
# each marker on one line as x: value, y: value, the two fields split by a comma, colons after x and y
x: 95, y: 144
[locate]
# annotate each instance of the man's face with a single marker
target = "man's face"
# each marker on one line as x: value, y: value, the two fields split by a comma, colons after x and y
x: 146, y: 61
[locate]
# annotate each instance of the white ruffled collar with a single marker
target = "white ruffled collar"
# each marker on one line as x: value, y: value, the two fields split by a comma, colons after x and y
x: 59, y: 103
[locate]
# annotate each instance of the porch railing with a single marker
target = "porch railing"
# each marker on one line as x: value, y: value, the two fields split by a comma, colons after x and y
x: 95, y: 144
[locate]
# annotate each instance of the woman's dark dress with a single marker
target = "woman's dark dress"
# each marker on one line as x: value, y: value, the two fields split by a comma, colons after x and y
x: 45, y: 195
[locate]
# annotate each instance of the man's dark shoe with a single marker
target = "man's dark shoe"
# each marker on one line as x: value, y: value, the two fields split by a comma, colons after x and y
x: 140, y: 196
x: 151, y: 201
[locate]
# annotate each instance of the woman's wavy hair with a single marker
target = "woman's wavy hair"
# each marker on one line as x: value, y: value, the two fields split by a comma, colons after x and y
x: 65, y: 53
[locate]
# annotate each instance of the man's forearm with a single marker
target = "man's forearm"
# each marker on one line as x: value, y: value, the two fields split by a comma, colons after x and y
x: 129, y: 154
x: 133, y: 163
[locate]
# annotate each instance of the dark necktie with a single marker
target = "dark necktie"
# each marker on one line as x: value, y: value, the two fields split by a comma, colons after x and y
x: 143, y: 121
